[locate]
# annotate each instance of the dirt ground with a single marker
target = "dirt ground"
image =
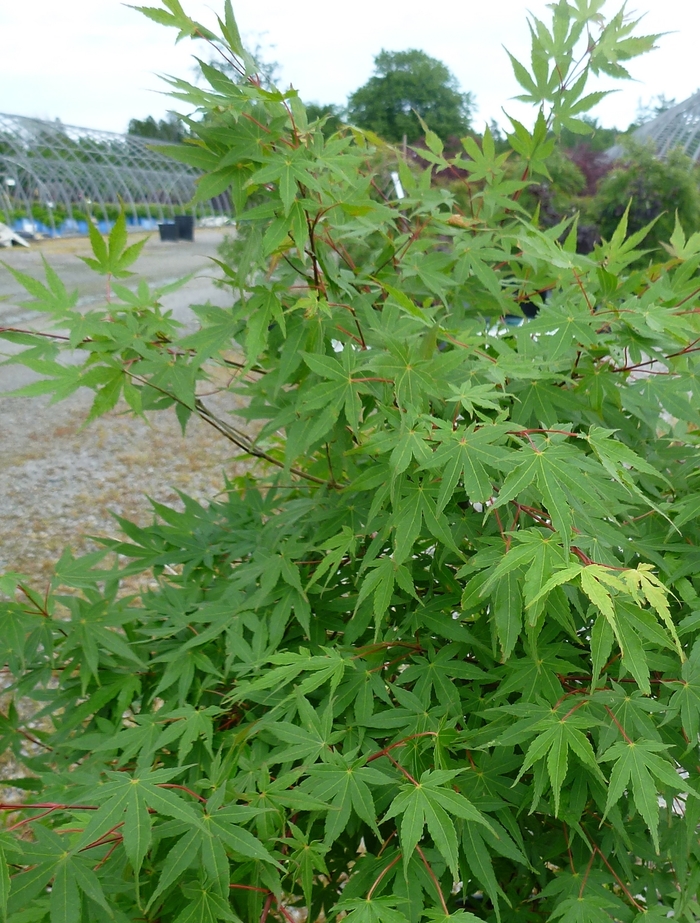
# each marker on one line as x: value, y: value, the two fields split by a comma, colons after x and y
x: 60, y: 483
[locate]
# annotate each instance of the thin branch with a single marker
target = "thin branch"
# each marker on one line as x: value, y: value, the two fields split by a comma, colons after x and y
x: 266, y: 908
x: 568, y: 849
x: 433, y: 878
x: 399, y: 743
x: 628, y: 894
x: 585, y: 877
x: 244, y: 443
x: 401, y: 769
x: 182, y: 788
x: 619, y: 726
x: 381, y: 875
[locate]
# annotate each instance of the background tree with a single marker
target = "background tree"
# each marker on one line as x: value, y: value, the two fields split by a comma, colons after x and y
x: 406, y: 82
x: 656, y: 189
x: 652, y: 109
x: 333, y: 115
x: 167, y: 129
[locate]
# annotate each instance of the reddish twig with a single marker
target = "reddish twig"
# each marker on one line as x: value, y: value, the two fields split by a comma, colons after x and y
x: 619, y: 726
x: 433, y: 878
x: 381, y: 875
x: 401, y: 769
x: 183, y: 788
x: 399, y: 743
x: 266, y: 908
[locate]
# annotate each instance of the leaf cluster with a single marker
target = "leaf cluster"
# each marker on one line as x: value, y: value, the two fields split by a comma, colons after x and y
x: 436, y: 655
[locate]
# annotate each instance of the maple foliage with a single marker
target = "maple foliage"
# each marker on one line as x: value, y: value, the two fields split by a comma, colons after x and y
x: 436, y: 655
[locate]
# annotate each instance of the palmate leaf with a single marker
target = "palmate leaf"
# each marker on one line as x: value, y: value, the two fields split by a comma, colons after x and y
x: 414, y: 508
x: 430, y: 802
x: 686, y: 699
x: 53, y: 297
x: 583, y: 909
x: 372, y: 910
x: 299, y: 639
x: 207, y: 846
x: 305, y: 741
x: 560, y: 734
x: 113, y: 257
x: 205, y: 906
x: 345, y: 787
x: 639, y: 767
x: 127, y: 799
x: 410, y: 373
x: 340, y: 390
x: 551, y: 469
x: 469, y: 455
x: 322, y: 668
x: 53, y: 858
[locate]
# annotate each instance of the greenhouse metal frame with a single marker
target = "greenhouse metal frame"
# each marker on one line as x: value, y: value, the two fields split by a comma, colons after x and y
x: 52, y: 176
x: 678, y: 127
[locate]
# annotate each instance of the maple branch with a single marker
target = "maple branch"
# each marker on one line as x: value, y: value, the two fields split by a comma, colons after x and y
x: 399, y: 743
x: 244, y: 443
x: 381, y: 875
x: 182, y: 788
x: 433, y: 878
x: 406, y: 773
x: 266, y: 908
x: 591, y: 308
x: 619, y: 726
x: 568, y: 849
x: 52, y: 805
x: 251, y: 888
x: 585, y: 877
x: 628, y: 894
x: 386, y: 843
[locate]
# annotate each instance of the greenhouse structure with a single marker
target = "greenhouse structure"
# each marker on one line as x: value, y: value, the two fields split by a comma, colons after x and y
x: 54, y: 176
x: 678, y: 127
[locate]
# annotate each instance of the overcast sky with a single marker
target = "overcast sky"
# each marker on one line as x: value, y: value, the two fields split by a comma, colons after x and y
x: 95, y: 62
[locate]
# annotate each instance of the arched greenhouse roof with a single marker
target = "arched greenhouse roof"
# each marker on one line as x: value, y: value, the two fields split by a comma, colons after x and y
x: 677, y: 127
x: 53, y: 175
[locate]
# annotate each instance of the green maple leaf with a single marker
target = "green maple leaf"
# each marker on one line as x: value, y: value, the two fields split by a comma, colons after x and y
x: 206, y: 846
x: 583, y: 909
x: 687, y: 699
x: 561, y: 734
x: 205, y: 905
x: 339, y: 390
x: 127, y: 799
x: 372, y: 910
x: 469, y: 454
x: 429, y: 802
x: 345, y: 786
x: 52, y: 858
x: 639, y: 768
x: 53, y: 298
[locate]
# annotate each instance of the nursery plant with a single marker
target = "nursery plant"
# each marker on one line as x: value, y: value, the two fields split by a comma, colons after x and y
x: 436, y: 655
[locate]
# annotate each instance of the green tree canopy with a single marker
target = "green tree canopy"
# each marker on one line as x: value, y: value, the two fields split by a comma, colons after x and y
x: 168, y: 129
x: 654, y: 189
x: 406, y: 83
x: 333, y: 115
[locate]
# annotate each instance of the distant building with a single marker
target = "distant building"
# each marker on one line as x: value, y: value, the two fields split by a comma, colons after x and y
x: 677, y: 127
x: 53, y: 176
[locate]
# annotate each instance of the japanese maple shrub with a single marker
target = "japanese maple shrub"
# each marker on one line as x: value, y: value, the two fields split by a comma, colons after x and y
x: 437, y: 655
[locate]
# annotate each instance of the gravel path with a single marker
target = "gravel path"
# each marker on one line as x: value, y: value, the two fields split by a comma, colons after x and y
x: 58, y: 483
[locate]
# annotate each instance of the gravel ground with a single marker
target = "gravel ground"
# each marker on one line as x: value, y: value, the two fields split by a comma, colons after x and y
x: 58, y: 483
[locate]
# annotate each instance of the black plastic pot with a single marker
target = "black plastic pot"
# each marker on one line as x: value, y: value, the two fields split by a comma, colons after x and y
x: 168, y: 231
x: 185, y: 227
